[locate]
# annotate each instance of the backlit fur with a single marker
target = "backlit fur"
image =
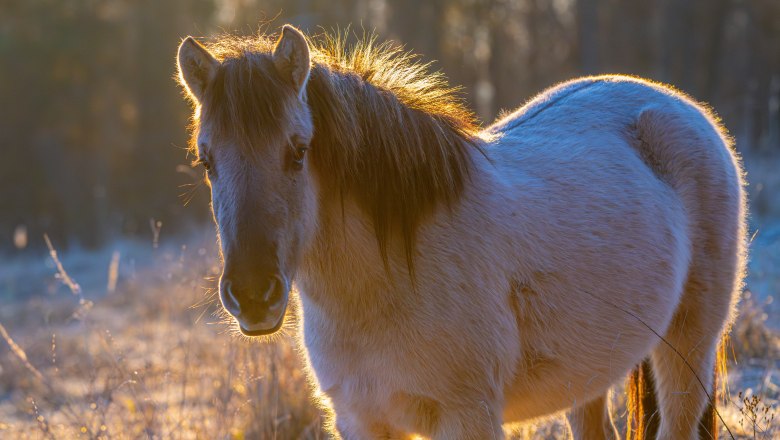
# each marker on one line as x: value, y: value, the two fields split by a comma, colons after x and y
x: 536, y: 244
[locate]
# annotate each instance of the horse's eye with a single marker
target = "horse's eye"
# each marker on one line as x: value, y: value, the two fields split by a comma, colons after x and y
x: 206, y: 164
x: 298, y: 155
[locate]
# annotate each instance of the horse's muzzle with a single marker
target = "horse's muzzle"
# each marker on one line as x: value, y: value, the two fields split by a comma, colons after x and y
x: 258, y: 308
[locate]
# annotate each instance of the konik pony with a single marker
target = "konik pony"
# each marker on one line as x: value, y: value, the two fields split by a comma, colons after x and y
x: 453, y: 278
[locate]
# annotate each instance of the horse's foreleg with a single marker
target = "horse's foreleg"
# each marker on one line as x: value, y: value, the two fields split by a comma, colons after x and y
x: 479, y: 422
x: 355, y: 427
x: 592, y: 421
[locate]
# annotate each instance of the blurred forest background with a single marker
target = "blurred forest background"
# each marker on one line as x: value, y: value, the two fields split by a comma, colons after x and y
x: 92, y: 124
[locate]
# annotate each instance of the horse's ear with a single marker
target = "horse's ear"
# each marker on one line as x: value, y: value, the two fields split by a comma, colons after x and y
x: 291, y: 57
x: 197, y: 67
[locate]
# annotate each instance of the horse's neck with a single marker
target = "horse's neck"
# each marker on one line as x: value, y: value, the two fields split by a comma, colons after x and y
x: 344, y: 260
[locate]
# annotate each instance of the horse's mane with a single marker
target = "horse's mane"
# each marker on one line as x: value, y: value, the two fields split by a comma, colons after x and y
x: 387, y: 132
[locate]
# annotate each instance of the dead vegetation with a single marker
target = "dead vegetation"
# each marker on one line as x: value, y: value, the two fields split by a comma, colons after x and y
x: 146, y: 356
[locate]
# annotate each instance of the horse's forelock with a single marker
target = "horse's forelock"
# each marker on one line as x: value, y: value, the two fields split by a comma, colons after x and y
x: 247, y: 101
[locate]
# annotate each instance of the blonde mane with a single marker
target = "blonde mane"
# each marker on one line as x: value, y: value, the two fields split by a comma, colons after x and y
x: 387, y: 132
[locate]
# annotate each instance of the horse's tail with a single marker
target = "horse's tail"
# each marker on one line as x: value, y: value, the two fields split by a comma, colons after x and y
x: 710, y: 422
x: 641, y: 404
x: 643, y: 418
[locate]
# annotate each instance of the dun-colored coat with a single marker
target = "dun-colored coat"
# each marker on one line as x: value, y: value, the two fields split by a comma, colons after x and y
x: 453, y: 279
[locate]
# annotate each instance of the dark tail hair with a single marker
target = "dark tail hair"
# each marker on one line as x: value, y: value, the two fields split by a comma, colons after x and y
x: 643, y: 417
x: 641, y: 404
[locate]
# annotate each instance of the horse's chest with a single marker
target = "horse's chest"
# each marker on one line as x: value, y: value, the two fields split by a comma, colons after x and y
x: 360, y: 370
x: 354, y: 362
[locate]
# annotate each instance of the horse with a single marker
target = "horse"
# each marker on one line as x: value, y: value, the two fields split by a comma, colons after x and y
x: 453, y: 278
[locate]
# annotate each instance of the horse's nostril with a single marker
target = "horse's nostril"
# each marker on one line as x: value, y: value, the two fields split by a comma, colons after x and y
x: 229, y: 299
x: 274, y: 291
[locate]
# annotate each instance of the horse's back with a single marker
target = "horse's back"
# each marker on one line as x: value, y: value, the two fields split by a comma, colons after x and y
x: 617, y: 133
x: 575, y: 155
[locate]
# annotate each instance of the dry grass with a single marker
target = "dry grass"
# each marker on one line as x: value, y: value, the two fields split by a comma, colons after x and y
x: 145, y: 356
x: 144, y: 362
x: 754, y: 400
